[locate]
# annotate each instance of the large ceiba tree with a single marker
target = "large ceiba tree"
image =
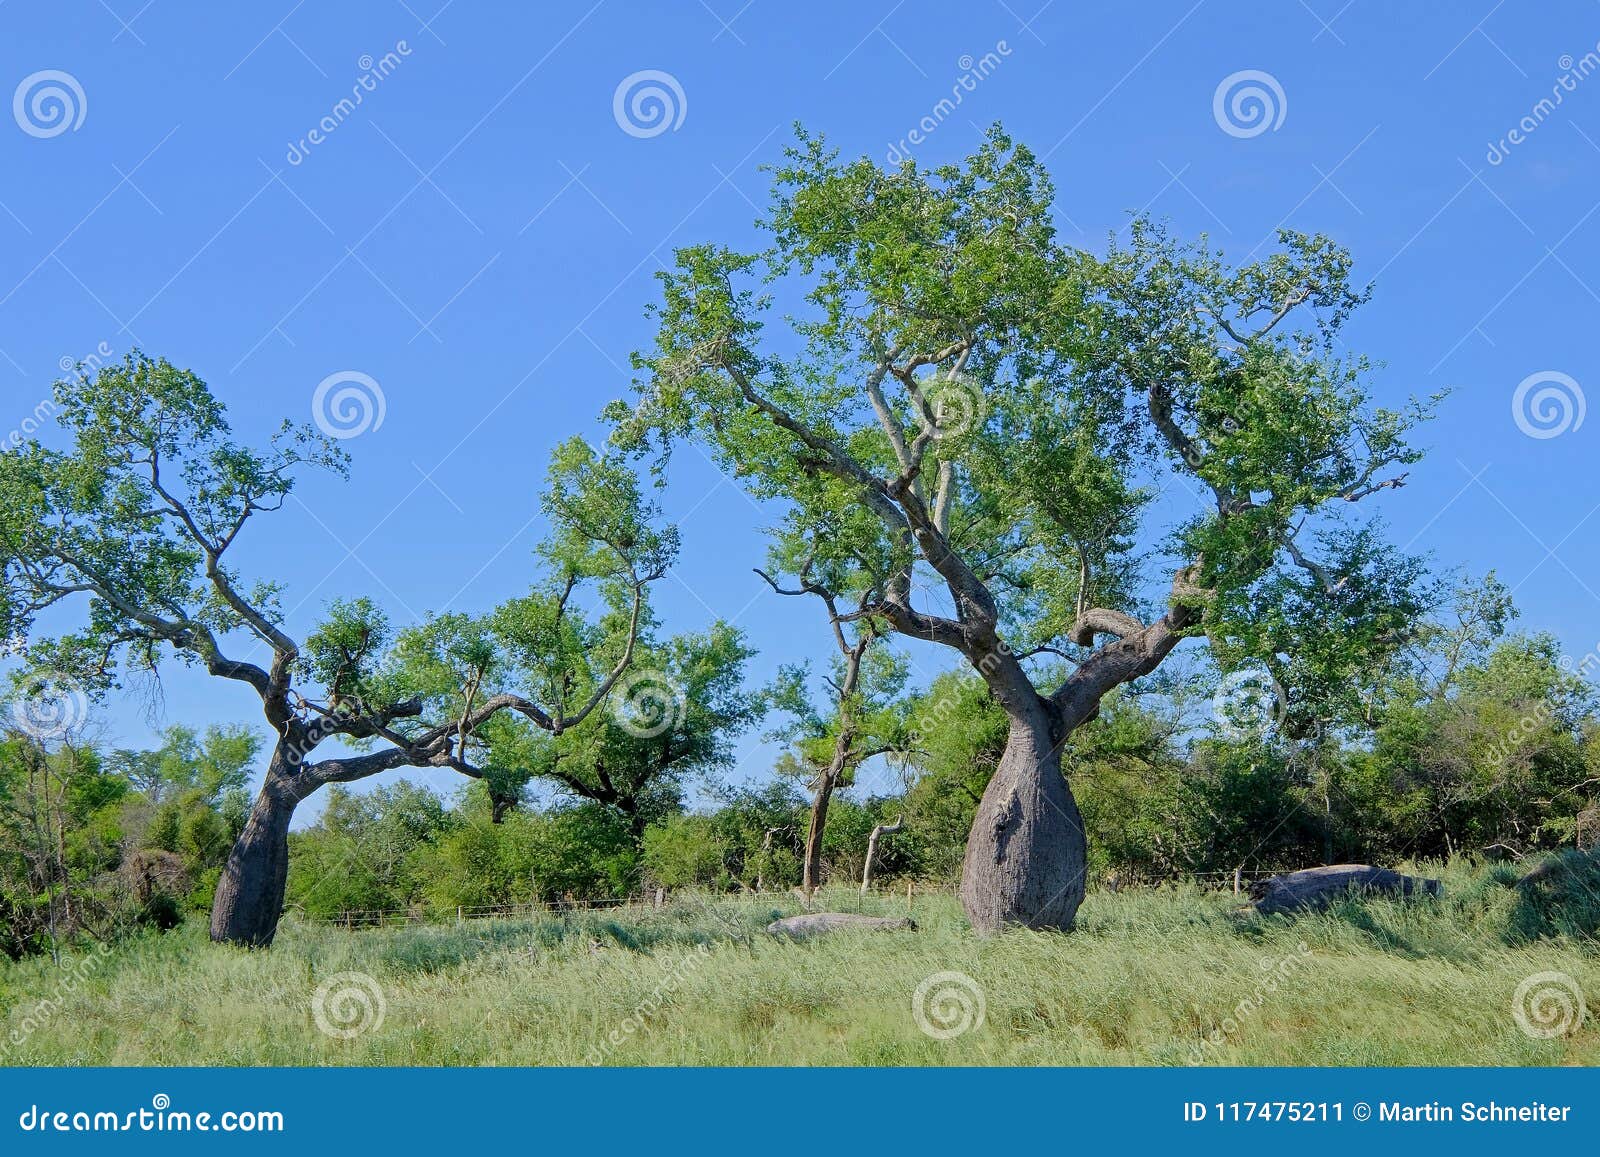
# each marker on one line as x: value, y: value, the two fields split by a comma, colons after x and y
x: 140, y: 518
x: 1005, y: 440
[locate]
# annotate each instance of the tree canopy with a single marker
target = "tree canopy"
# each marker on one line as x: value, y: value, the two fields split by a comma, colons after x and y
x: 135, y: 522
x: 942, y: 395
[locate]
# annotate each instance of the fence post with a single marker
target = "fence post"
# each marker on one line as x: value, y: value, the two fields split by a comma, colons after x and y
x: 1236, y: 872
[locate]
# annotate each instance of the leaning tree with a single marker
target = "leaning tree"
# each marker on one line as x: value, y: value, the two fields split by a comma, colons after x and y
x: 1004, y: 438
x: 139, y: 519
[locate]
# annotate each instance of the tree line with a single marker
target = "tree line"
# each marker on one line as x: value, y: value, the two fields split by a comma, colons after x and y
x: 1482, y: 742
x: 1054, y: 467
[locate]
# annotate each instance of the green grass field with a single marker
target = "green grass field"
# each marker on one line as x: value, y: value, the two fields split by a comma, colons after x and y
x: 1168, y: 976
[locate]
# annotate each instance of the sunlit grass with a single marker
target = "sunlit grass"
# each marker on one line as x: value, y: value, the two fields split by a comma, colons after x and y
x: 1150, y: 977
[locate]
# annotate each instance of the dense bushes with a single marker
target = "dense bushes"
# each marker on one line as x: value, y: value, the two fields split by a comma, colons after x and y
x: 86, y: 849
x: 1478, y: 743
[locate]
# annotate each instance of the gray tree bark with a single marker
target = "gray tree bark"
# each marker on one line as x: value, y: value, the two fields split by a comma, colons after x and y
x: 1026, y: 855
x: 811, y: 873
x: 872, y: 851
x: 249, y: 896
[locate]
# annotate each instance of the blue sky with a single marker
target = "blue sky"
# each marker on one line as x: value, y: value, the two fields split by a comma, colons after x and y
x: 478, y: 237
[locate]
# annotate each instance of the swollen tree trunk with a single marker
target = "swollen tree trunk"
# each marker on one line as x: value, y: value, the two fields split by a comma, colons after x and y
x: 249, y: 896
x: 1026, y: 856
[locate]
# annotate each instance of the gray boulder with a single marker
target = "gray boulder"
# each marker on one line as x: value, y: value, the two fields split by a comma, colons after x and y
x: 817, y: 923
x: 1315, y: 888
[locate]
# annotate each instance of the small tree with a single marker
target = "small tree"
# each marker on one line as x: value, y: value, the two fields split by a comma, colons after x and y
x: 58, y: 838
x: 964, y: 403
x: 137, y: 520
x: 674, y: 717
x: 863, y: 723
x: 214, y: 762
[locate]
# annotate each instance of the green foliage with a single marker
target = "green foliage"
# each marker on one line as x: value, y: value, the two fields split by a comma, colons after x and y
x: 963, y: 399
x: 367, y: 851
x: 152, y: 469
x: 215, y: 762
x: 1501, y: 753
x: 686, y: 851
x: 1559, y: 897
x: 138, y: 516
x: 673, y: 717
x: 582, y: 852
x: 958, y: 733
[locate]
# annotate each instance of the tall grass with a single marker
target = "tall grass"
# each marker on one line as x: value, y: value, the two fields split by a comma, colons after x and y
x: 1168, y: 976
